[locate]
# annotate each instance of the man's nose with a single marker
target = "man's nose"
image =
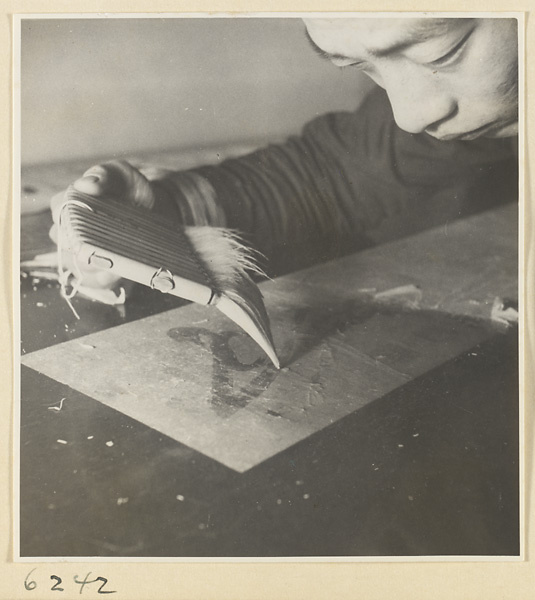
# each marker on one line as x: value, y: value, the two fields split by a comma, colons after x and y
x: 419, y: 101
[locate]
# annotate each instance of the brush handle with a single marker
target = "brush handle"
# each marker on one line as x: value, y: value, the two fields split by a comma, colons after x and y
x: 158, y: 278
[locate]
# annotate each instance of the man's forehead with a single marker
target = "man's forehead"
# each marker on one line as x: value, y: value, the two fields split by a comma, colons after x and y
x: 376, y: 35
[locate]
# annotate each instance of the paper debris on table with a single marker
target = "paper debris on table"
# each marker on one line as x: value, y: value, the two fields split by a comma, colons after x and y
x: 42, y: 266
x: 501, y: 314
x: 56, y: 407
x: 408, y: 296
x: 87, y: 346
x: 103, y: 296
x: 49, y: 260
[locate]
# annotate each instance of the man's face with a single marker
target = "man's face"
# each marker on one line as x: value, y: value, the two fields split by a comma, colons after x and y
x: 452, y: 78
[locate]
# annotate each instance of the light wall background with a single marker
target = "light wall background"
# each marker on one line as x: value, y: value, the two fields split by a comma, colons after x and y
x: 106, y: 87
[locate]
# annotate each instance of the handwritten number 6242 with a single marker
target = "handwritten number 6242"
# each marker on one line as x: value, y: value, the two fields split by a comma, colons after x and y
x: 31, y: 584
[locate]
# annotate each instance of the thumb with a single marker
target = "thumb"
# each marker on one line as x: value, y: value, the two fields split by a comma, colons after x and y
x: 119, y: 180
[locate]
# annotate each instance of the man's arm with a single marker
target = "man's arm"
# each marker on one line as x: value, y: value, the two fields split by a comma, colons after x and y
x: 319, y: 193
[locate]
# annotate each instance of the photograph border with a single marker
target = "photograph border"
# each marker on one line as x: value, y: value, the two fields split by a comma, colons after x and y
x: 525, y: 346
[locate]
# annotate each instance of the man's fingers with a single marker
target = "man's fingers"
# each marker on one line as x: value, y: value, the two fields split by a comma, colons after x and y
x: 115, y: 180
x: 90, y: 184
x: 118, y: 180
x: 53, y: 233
x: 55, y: 205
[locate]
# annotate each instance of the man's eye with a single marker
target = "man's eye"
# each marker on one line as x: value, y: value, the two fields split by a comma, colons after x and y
x: 450, y: 57
x: 347, y: 62
x: 360, y: 66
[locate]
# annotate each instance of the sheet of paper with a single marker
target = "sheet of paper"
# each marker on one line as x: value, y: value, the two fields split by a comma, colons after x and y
x: 207, y: 385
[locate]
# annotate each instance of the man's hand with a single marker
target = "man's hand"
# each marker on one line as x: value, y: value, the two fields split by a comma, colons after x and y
x: 118, y: 181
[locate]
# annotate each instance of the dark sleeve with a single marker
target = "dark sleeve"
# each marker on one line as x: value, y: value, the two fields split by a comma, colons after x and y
x: 319, y: 193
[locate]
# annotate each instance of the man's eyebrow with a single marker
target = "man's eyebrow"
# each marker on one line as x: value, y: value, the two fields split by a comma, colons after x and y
x: 420, y: 34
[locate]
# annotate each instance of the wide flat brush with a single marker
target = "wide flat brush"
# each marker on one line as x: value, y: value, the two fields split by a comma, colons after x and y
x: 206, y: 265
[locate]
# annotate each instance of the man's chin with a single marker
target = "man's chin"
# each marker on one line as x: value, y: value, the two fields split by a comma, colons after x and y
x: 509, y: 130
x: 486, y: 131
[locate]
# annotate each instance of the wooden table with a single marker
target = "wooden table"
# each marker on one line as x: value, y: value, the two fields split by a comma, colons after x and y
x: 392, y: 429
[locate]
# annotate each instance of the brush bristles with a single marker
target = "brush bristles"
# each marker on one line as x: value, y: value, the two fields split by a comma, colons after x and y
x: 223, y: 252
x: 229, y: 263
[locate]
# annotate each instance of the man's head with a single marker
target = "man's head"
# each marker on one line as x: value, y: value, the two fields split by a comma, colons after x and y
x: 452, y: 78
